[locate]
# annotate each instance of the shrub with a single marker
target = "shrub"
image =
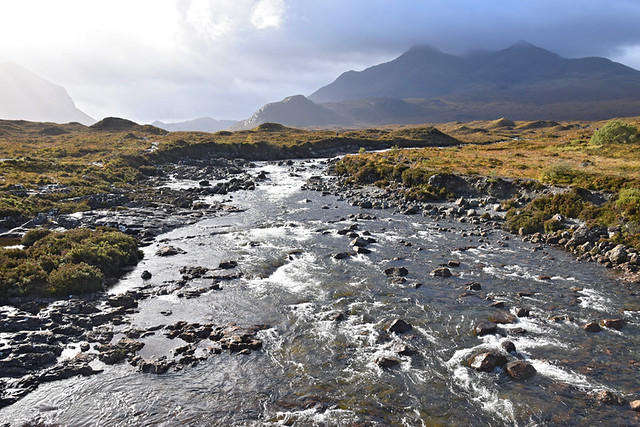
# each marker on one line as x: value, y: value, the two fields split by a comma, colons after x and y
x: 33, y: 235
x: 75, y: 279
x: 615, y: 131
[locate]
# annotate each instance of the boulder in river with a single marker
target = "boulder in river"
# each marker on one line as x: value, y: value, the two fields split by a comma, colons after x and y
x: 520, y: 370
x: 396, y: 271
x: 487, y: 361
x: 359, y: 242
x: 614, y: 323
x: 635, y: 405
x: 591, y: 327
x: 398, y: 326
x: 146, y: 275
x: 386, y: 361
x: 486, y: 328
x: 228, y: 265
x: 508, y: 346
x: 441, y: 272
x: 607, y: 397
x: 169, y: 251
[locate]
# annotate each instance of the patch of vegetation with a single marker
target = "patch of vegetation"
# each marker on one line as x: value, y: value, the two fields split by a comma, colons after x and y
x: 615, y: 132
x: 62, y: 263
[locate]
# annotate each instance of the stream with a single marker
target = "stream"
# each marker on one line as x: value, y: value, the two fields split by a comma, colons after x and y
x: 325, y: 321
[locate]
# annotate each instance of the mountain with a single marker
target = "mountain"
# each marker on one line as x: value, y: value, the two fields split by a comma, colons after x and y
x: 203, y: 124
x: 26, y: 96
x: 297, y: 111
x: 523, y: 82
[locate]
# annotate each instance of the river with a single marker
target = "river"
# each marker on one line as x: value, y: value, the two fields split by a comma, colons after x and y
x: 326, y: 325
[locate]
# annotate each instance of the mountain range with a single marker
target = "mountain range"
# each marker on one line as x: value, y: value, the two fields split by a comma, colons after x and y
x: 26, y: 96
x: 425, y: 85
x: 202, y: 124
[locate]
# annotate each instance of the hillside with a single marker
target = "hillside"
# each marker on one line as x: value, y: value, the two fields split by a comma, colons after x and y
x: 524, y: 82
x: 202, y: 124
x: 26, y: 96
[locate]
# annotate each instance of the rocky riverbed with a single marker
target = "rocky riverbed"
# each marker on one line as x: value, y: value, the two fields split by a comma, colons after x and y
x: 328, y: 305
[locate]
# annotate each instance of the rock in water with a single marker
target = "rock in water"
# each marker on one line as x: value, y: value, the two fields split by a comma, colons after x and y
x: 398, y: 326
x: 441, y: 272
x: 396, y: 271
x: 592, y: 327
x: 486, y: 328
x: 614, y: 323
x: 146, y: 275
x: 386, y: 362
x: 519, y: 370
x: 487, y: 362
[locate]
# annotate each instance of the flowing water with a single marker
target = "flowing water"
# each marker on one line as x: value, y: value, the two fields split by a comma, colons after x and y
x: 314, y: 370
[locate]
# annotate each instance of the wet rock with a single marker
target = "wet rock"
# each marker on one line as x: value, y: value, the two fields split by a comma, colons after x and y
x: 228, y: 265
x: 359, y: 242
x: 614, y: 323
x: 473, y: 286
x: 396, y: 271
x: 386, y: 361
x: 502, y: 317
x: 591, y: 327
x: 169, y: 251
x: 146, y: 275
x: 403, y: 349
x: 522, y: 312
x: 508, y: 346
x: 31, y: 307
x: 398, y: 326
x: 487, y: 362
x: 486, y: 328
x: 635, y: 405
x: 341, y: 255
x: 362, y: 251
x: 441, y: 272
x: 123, y: 300
x: 111, y: 354
x: 497, y: 304
x: 453, y: 263
x: 157, y: 367
x: 618, y: 254
x: 606, y: 397
x: 335, y: 316
x: 519, y: 370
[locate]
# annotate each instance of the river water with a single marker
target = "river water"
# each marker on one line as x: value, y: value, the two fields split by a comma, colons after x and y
x: 314, y: 370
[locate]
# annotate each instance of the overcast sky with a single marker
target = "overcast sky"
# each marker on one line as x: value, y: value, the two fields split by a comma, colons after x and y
x: 181, y: 59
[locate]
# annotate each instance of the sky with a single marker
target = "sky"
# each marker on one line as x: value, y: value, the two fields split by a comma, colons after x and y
x: 175, y: 60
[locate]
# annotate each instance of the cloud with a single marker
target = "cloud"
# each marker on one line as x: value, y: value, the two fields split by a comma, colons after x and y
x: 268, y: 14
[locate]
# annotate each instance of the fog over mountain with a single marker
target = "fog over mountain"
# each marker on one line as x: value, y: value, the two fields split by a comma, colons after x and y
x: 26, y: 96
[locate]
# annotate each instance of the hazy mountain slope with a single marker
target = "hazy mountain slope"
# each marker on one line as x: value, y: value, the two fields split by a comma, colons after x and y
x: 26, y: 96
x: 202, y: 124
x: 523, y: 82
x: 296, y: 111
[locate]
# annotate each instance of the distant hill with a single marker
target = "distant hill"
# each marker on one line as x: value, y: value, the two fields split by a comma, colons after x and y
x: 522, y: 82
x: 296, y: 111
x: 202, y: 124
x: 26, y: 96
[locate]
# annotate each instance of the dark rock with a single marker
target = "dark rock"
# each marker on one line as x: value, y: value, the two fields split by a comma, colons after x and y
x: 227, y: 265
x: 169, y: 251
x: 502, y: 317
x: 362, y: 251
x: 396, y: 271
x: 386, y: 361
x: 30, y: 307
x: 403, y: 349
x: 591, y: 327
x: 614, y: 323
x: 359, y: 242
x: 123, y: 300
x: 522, y: 312
x: 606, y: 397
x: 519, y: 370
x: 441, y: 272
x: 508, y: 346
x: 146, y: 275
x: 157, y: 367
x: 453, y: 263
x: 486, y: 328
x: 398, y: 326
x: 341, y: 255
x: 487, y: 362
x: 497, y: 304
x: 473, y: 286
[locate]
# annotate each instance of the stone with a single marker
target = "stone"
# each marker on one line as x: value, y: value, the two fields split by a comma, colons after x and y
x: 488, y: 361
x: 508, y: 346
x: 502, y: 317
x: 359, y: 242
x: 228, y: 265
x: 386, y: 362
x: 453, y: 263
x: 146, y: 275
x: 618, y: 254
x: 398, y: 326
x: 520, y: 370
x: 591, y: 327
x: 616, y: 324
x: 497, y: 304
x: 522, y: 312
x: 396, y: 271
x: 443, y: 272
x: 635, y: 405
x: 486, y: 328
x: 157, y: 367
x: 606, y: 397
x: 362, y: 251
x: 341, y: 255
x: 122, y: 300
x: 473, y: 286
x: 169, y: 251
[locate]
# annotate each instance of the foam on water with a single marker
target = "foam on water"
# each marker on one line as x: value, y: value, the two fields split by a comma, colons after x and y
x: 298, y: 276
x: 595, y: 300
